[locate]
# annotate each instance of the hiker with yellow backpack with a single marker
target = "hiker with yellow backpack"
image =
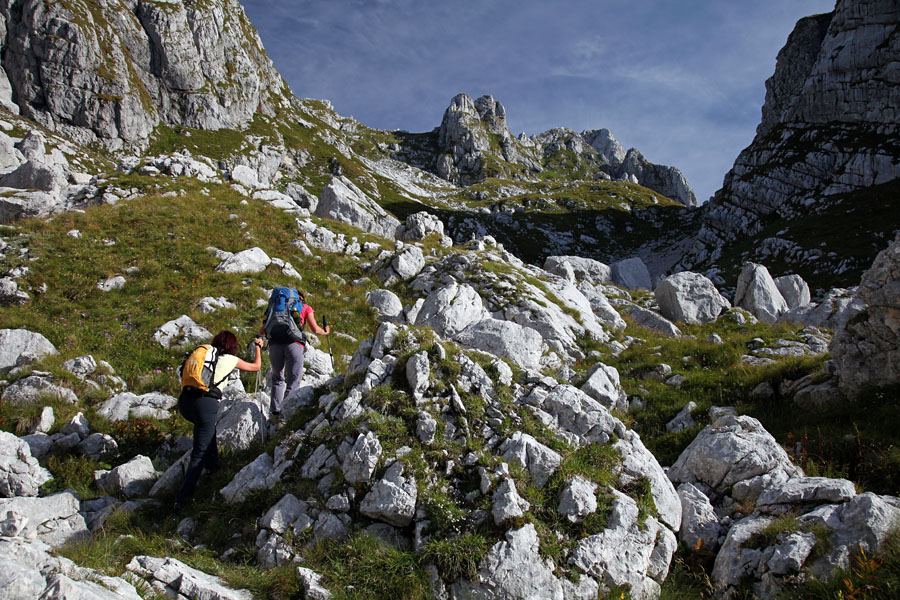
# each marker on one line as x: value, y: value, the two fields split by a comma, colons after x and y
x: 204, y: 369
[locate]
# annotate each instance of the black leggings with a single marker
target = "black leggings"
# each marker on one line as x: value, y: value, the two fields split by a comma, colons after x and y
x: 200, y: 410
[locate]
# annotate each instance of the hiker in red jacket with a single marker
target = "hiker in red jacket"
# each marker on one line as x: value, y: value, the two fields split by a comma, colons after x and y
x: 287, y: 345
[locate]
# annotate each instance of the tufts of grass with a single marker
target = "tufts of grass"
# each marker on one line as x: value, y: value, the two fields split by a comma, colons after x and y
x: 456, y: 557
x: 76, y: 472
x: 363, y: 567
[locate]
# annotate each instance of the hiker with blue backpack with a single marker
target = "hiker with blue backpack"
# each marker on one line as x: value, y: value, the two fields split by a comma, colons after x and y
x: 203, y: 370
x: 286, y: 315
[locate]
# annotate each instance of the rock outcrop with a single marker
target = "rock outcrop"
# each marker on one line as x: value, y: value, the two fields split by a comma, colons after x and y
x: 113, y: 72
x: 735, y: 482
x: 867, y: 348
x: 829, y: 129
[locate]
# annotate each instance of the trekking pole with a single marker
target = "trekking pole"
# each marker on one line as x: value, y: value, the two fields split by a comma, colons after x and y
x: 330, y: 352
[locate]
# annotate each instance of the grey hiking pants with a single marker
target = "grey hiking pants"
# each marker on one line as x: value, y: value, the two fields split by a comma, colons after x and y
x: 287, y: 371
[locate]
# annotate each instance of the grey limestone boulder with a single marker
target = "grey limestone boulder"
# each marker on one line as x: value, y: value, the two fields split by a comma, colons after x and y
x: 859, y: 524
x: 35, y: 388
x: 181, y: 332
x: 385, y: 303
x: 77, y: 424
x: 794, y: 290
x: 690, y: 298
x: 539, y: 460
x: 420, y: 225
x: 801, y: 491
x: 10, y: 292
x: 125, y: 405
x: 81, y: 366
x: 628, y: 552
x: 56, y: 516
x: 757, y: 292
x: 638, y: 463
x: 404, y: 264
x: 20, y: 472
x: 684, y: 419
x: 284, y: 515
x: 608, y: 316
x: 133, y: 479
x: 450, y: 309
x: 23, y: 204
x: 20, y: 347
x: 36, y: 175
x: 245, y: 176
x: 20, y: 581
x: 209, y: 304
x: 98, y: 446
x: 577, y: 499
x: 360, y: 463
x: 240, y: 423
x: 700, y: 528
x: 311, y: 582
x: 631, y: 273
x: 867, y: 348
x: 603, y: 385
x: 733, y: 456
x: 585, y: 270
x: 426, y: 427
x: 522, y: 345
x: 252, y: 260
x: 172, y: 575
x: 833, y: 312
x: 575, y: 415
x: 651, y: 320
x: 112, y: 283
x: 342, y: 201
x: 514, y: 568
x: 418, y: 373
x: 261, y: 474
x: 507, y: 503
x: 392, y: 499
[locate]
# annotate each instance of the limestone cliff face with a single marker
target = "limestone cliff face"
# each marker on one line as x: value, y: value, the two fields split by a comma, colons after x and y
x: 111, y: 70
x: 829, y: 129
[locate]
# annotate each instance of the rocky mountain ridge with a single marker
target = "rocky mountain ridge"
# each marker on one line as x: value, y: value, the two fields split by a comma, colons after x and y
x: 473, y: 142
x: 824, y: 156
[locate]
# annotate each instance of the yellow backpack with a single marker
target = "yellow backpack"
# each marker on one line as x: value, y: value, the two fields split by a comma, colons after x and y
x: 198, y: 369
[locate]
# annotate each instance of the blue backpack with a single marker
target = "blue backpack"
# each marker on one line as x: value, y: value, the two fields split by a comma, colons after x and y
x: 281, y: 316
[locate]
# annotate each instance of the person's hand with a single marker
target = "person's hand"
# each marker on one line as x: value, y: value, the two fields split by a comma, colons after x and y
x: 258, y: 341
x: 327, y: 329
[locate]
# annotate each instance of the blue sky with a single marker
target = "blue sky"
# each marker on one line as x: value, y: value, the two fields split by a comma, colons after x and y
x: 681, y: 81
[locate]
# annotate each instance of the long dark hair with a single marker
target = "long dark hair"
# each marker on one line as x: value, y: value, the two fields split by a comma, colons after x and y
x: 225, y: 342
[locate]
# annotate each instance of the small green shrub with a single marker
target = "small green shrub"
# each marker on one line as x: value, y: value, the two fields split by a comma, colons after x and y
x: 76, y: 472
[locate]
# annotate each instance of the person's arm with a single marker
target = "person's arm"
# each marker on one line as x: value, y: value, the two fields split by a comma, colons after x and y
x: 257, y: 363
x: 314, y: 327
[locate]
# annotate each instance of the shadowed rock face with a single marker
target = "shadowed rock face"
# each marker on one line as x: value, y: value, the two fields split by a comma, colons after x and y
x: 113, y: 74
x: 829, y: 128
x: 867, y: 348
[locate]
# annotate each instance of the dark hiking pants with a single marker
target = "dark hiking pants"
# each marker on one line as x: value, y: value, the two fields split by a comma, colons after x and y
x: 201, y: 411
